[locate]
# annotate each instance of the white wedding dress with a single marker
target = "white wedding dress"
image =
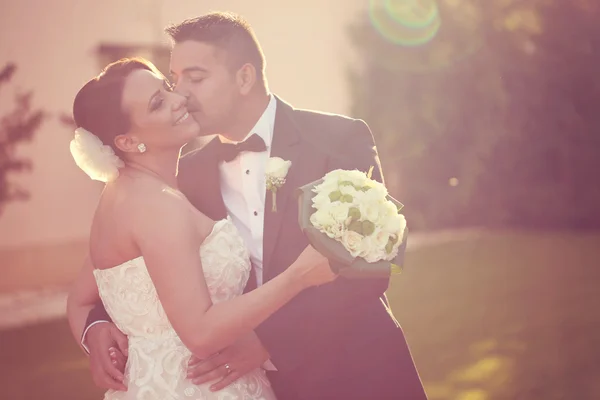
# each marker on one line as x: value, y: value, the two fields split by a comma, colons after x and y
x: 156, y: 366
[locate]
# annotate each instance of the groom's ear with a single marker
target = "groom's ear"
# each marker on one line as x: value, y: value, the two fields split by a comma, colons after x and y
x: 246, y: 78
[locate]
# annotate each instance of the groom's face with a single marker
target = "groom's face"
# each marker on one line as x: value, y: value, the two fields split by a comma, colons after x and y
x: 200, y: 71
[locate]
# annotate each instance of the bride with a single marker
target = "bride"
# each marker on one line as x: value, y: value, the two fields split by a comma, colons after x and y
x: 169, y: 277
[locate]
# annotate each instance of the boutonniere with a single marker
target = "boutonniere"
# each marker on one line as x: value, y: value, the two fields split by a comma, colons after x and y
x: 276, y: 171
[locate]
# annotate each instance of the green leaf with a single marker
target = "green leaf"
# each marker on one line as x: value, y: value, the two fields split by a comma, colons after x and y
x: 370, y: 173
x: 347, y: 198
x: 368, y: 228
x: 389, y: 246
x: 355, y: 226
x: 335, y: 196
x: 354, y: 213
x: 396, y: 269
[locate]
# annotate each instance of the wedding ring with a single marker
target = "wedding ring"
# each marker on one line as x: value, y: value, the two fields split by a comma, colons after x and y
x: 228, y: 368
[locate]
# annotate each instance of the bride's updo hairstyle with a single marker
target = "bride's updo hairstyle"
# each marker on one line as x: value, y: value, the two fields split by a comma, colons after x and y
x: 99, y: 116
x: 98, y: 105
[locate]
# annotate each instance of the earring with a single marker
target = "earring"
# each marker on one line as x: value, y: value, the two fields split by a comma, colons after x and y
x: 141, y: 147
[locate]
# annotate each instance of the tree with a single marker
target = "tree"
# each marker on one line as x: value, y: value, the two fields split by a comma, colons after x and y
x: 491, y: 121
x: 17, y: 126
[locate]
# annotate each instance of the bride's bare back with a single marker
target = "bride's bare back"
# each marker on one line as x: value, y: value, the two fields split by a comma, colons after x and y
x: 124, y: 208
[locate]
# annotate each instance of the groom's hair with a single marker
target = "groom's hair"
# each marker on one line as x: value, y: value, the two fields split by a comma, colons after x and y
x: 226, y: 31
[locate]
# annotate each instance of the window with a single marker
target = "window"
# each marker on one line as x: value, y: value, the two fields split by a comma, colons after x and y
x: 156, y: 53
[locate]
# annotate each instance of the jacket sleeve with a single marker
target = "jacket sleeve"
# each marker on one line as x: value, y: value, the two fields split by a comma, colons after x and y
x: 314, y: 318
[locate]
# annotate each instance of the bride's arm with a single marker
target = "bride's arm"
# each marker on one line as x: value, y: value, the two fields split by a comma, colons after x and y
x: 169, y: 241
x: 82, y: 298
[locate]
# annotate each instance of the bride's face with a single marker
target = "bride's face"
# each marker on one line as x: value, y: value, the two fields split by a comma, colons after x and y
x: 159, y: 116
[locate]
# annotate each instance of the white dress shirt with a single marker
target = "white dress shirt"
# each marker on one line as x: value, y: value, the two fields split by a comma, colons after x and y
x: 243, y: 186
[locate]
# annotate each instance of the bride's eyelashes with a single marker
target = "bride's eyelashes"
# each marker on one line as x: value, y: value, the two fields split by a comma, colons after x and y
x: 159, y: 101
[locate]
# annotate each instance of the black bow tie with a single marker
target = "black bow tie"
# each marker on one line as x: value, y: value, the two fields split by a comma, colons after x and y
x: 230, y: 151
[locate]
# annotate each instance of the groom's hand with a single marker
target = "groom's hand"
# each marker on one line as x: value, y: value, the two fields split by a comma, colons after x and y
x: 108, y: 351
x: 243, y: 356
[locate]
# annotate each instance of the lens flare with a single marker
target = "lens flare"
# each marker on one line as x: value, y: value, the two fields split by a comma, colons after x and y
x: 405, y: 22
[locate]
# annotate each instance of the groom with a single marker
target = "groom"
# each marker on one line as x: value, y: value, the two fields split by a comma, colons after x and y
x: 336, y: 341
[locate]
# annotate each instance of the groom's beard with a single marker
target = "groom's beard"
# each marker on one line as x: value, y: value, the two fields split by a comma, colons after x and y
x: 204, y: 130
x: 207, y: 129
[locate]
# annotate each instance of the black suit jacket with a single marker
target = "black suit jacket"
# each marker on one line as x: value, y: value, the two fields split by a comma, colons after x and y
x: 338, y: 340
x: 334, y: 341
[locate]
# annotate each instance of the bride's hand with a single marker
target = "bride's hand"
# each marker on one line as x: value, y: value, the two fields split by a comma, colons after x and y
x: 312, y: 268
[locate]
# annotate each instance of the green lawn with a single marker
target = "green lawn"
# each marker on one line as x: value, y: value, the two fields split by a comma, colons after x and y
x: 506, y: 316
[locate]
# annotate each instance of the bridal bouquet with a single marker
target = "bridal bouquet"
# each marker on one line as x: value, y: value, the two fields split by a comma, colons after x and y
x: 352, y: 220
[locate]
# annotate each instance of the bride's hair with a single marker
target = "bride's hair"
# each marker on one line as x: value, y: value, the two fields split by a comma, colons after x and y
x: 98, y: 108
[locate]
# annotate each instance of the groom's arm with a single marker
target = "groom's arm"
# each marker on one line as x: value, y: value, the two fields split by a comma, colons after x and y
x: 305, y: 325
x: 104, y: 343
x: 97, y: 315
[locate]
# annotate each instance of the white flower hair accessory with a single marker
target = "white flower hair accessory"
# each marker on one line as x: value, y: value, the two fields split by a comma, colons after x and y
x: 96, y: 159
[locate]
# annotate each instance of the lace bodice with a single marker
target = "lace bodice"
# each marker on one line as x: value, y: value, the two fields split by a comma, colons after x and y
x: 156, y: 366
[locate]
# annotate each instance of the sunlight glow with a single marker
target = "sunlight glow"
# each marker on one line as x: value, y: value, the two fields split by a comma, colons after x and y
x: 405, y: 22
x: 482, y: 370
x: 65, y: 366
x: 474, y: 394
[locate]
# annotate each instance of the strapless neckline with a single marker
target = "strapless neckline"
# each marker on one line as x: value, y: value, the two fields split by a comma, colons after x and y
x: 215, y: 229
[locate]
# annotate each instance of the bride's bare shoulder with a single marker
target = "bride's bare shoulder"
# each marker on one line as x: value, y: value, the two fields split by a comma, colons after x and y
x: 150, y: 203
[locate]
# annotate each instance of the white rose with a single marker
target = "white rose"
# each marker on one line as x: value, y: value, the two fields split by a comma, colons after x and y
x: 277, y: 167
x: 355, y: 176
x: 402, y: 230
x: 347, y: 189
x: 374, y: 195
x: 360, y: 197
x: 378, y: 188
x: 327, y: 186
x: 352, y: 241
x: 390, y: 208
x: 380, y: 238
x: 375, y: 255
x: 395, y: 224
x: 366, y: 246
x: 321, y: 219
x: 333, y: 176
x: 338, y: 210
x: 336, y: 230
x: 370, y: 211
x: 373, y: 246
x: 321, y: 200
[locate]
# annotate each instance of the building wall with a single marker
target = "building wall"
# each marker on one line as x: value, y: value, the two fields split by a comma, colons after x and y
x: 53, y: 44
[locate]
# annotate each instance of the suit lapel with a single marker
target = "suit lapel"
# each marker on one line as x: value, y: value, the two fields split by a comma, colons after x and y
x: 286, y: 140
